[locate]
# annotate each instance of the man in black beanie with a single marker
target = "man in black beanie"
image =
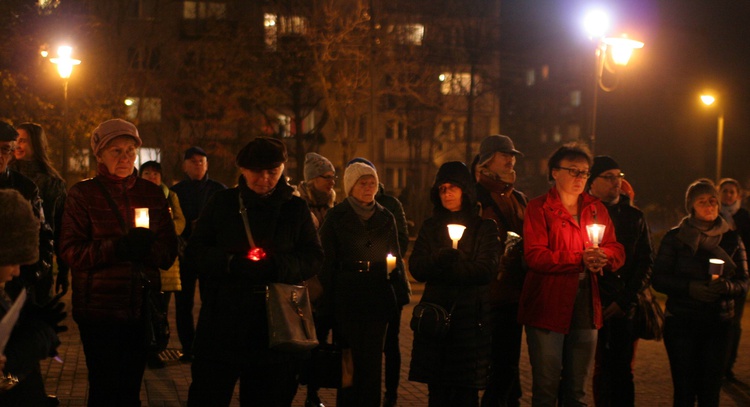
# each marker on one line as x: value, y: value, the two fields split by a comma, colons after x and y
x: 615, y: 350
x: 31, y: 275
x: 193, y: 193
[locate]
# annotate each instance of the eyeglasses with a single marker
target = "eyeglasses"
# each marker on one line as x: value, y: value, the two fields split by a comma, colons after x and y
x: 611, y: 177
x: 329, y: 177
x: 6, y: 150
x: 575, y: 173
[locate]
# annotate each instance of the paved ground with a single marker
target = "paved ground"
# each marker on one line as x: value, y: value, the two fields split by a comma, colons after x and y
x: 168, y: 387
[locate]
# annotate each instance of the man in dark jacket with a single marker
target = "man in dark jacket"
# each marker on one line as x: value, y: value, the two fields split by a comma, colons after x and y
x: 391, y: 349
x: 501, y: 202
x: 194, y: 192
x: 615, y: 350
x: 31, y: 275
x: 231, y: 339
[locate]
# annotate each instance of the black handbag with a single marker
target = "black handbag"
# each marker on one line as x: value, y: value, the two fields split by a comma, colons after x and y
x: 431, y: 321
x: 648, y: 320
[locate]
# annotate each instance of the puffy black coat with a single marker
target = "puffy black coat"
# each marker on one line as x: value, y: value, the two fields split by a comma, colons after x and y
x: 632, y: 232
x: 349, y: 295
x: 676, y: 266
x: 232, y: 326
x: 463, y: 358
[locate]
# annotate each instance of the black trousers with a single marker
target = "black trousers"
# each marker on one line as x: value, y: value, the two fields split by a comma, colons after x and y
x: 613, y: 364
x: 116, y: 359
x: 504, y: 385
x: 735, y: 332
x: 697, y: 351
x: 262, y: 385
x: 365, y: 338
x: 392, y: 353
x: 184, y: 301
x: 451, y: 396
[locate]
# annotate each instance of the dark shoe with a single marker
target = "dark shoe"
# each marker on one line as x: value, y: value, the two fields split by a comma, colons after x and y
x: 313, y: 401
x: 389, y: 402
x: 52, y: 400
x: 186, y: 358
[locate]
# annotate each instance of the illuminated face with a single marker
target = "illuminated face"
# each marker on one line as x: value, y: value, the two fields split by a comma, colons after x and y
x: 570, y: 176
x: 8, y: 272
x: 450, y: 196
x: 119, y: 156
x: 24, y: 150
x: 325, y: 182
x: 152, y: 175
x: 196, y: 167
x: 6, y: 152
x: 364, y: 189
x: 729, y: 194
x: 706, y: 207
x: 607, y: 185
x: 263, y: 181
x: 501, y: 163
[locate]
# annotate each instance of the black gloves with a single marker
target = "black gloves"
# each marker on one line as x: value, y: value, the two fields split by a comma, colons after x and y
x: 51, y: 313
x: 136, y: 245
x: 448, y: 255
x: 702, y: 292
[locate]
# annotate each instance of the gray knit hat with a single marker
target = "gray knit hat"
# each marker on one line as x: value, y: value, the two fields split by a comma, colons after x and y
x: 696, y: 189
x: 316, y: 165
x: 19, y: 240
x: 354, y: 172
x: 110, y: 129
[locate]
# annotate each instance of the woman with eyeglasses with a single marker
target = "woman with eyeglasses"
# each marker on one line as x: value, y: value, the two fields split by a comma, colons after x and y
x: 700, y: 297
x: 560, y: 306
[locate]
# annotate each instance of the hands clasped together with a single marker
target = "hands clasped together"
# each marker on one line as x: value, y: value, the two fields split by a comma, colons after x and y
x: 594, y: 258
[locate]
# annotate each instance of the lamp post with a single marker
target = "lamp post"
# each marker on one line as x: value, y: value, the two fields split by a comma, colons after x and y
x: 65, y: 66
x: 611, y: 52
x: 709, y: 100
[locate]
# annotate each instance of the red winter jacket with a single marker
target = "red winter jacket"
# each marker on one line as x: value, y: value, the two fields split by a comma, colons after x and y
x: 105, y: 288
x: 553, y: 247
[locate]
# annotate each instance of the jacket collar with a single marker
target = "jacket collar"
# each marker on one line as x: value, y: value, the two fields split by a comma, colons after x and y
x: 552, y: 201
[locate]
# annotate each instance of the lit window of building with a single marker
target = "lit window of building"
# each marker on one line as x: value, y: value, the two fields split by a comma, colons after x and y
x: 145, y: 110
x: 202, y: 10
x: 408, y: 34
x: 530, y: 77
x: 575, y: 98
x: 457, y: 83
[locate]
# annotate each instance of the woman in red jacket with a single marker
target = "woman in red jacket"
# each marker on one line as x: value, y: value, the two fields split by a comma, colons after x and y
x: 559, y: 302
x: 106, y: 253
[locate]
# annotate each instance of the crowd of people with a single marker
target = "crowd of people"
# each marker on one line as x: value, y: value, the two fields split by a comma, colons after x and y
x: 569, y: 267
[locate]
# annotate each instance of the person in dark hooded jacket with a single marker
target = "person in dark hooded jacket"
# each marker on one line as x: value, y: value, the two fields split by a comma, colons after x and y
x: 231, y: 338
x: 457, y: 367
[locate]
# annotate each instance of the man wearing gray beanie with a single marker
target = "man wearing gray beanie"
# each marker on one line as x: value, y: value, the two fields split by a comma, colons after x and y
x: 317, y: 188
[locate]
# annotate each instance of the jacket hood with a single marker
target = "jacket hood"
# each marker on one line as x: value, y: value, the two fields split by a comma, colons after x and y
x: 456, y: 173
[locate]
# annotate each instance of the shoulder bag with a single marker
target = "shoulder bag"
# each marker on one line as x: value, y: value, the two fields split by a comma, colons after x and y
x: 290, y: 321
x: 431, y: 321
x: 648, y: 319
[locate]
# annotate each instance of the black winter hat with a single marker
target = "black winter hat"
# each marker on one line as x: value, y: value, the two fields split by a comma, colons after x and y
x: 263, y: 153
x: 190, y: 152
x: 7, y: 132
x: 456, y: 173
x: 601, y: 163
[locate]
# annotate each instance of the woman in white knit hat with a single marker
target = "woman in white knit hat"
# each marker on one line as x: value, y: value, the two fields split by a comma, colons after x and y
x: 357, y: 236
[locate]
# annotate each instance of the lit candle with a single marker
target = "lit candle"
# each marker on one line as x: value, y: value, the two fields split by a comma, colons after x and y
x: 141, y: 218
x: 596, y: 232
x: 715, y: 268
x: 455, y: 232
x: 390, y: 262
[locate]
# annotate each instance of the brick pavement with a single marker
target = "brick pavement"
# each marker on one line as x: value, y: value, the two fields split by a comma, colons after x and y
x: 168, y: 387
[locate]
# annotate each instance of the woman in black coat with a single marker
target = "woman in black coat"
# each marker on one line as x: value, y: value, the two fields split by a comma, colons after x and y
x: 231, y: 339
x: 699, y: 306
x: 457, y: 367
x: 357, y: 236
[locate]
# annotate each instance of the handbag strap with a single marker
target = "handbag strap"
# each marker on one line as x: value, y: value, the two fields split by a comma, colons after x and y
x: 113, y: 205
x: 243, y: 212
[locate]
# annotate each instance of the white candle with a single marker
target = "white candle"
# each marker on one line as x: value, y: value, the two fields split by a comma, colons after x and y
x: 596, y: 232
x: 455, y: 232
x: 715, y: 268
x: 141, y: 218
x: 390, y: 262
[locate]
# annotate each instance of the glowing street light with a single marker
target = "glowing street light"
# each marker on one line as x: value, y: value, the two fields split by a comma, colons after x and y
x: 617, y: 49
x: 709, y: 100
x: 65, y: 66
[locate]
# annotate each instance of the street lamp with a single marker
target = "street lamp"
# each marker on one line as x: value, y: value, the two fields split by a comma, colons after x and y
x: 709, y: 100
x: 611, y: 52
x: 65, y: 66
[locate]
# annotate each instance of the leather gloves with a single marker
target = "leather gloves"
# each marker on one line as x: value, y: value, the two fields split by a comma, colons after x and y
x: 448, y: 255
x: 51, y: 313
x: 136, y: 245
x: 719, y: 286
x: 702, y: 292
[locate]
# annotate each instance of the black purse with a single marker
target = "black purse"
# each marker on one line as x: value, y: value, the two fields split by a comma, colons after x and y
x: 154, y: 318
x: 648, y: 319
x: 431, y: 321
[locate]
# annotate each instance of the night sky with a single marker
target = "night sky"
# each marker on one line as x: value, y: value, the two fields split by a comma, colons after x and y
x: 654, y: 124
